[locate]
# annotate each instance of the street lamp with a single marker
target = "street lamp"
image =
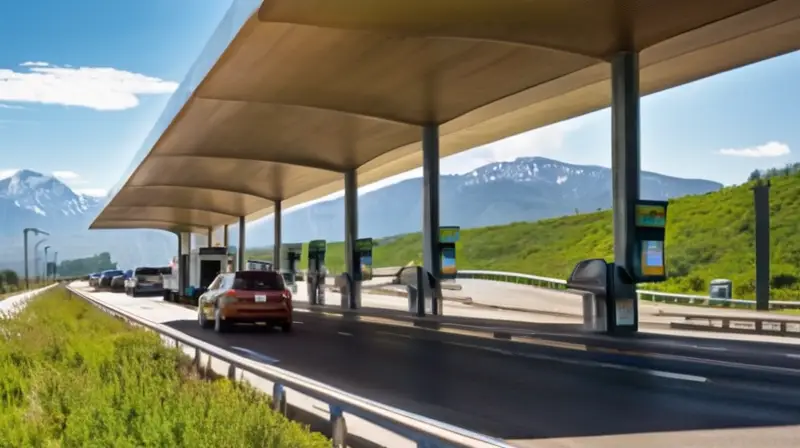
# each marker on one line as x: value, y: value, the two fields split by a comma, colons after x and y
x: 46, y: 248
x: 36, y: 258
x: 25, y: 244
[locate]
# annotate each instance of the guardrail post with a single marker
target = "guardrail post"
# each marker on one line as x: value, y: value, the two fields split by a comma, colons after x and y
x: 197, y: 361
x: 338, y: 427
x: 231, y: 372
x: 279, y: 398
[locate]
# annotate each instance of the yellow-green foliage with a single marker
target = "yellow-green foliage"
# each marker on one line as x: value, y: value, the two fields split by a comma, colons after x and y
x: 72, y: 376
x: 708, y: 236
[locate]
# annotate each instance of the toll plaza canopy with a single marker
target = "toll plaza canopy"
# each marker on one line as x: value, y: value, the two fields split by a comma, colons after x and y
x: 289, y: 94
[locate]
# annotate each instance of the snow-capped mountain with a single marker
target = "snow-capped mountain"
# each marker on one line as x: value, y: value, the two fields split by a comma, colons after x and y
x: 31, y: 199
x: 526, y: 189
x: 43, y: 194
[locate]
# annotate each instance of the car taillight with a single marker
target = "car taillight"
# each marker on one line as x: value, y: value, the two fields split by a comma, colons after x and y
x: 232, y: 293
x: 287, y: 295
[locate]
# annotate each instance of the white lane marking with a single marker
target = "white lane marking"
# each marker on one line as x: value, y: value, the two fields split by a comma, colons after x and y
x: 793, y: 356
x: 658, y: 373
x: 297, y: 322
x: 399, y: 335
x: 258, y: 356
x: 342, y: 333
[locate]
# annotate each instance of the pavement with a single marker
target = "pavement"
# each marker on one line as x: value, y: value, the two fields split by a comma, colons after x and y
x: 586, y: 391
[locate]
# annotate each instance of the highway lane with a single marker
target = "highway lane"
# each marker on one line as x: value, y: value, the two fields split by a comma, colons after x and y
x: 483, y: 385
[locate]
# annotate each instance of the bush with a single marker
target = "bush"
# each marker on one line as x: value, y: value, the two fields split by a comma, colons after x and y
x: 72, y: 376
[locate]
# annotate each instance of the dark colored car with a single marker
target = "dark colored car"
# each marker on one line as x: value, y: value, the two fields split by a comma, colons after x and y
x: 118, y: 282
x: 105, y: 278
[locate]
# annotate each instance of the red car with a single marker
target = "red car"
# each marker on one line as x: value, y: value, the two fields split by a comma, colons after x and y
x: 246, y: 297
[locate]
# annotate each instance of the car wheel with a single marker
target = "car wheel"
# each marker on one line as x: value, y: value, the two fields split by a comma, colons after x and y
x: 202, y: 319
x: 133, y: 292
x: 286, y: 326
x: 220, y: 326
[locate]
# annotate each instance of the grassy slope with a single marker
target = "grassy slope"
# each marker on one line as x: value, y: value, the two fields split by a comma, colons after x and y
x: 73, y: 376
x: 709, y: 236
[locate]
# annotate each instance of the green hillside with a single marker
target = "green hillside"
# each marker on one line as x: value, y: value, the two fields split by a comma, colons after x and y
x: 709, y: 236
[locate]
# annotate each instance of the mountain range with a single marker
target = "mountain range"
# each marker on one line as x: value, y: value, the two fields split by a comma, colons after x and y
x: 526, y: 189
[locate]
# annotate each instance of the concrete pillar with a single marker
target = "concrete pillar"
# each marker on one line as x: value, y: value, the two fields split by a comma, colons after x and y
x: 761, y: 202
x: 626, y: 169
x: 351, y: 235
x: 225, y: 235
x: 210, y: 238
x: 430, y: 209
x: 240, y: 250
x: 276, y: 250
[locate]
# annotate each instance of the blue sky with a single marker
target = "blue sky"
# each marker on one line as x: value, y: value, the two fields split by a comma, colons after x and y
x: 720, y: 128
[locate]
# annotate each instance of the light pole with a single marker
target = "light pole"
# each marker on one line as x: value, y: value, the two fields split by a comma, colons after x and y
x: 36, y: 258
x: 55, y: 265
x: 25, y: 248
x: 46, y: 248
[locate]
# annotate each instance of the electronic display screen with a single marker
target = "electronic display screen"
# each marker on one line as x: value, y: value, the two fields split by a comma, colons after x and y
x: 651, y: 216
x: 449, y: 268
x: 653, y: 258
x: 449, y: 234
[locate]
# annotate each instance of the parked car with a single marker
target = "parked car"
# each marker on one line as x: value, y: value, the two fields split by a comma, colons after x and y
x: 246, y: 297
x: 105, y: 278
x: 145, y: 280
x: 93, y: 278
x: 118, y: 282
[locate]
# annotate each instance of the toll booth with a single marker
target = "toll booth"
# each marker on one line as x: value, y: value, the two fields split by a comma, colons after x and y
x: 290, y: 262
x: 206, y: 264
x: 604, y: 310
x: 315, y: 279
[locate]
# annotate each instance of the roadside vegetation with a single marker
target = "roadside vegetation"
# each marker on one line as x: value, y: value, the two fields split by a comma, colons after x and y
x: 11, y: 284
x: 72, y: 376
x: 708, y: 236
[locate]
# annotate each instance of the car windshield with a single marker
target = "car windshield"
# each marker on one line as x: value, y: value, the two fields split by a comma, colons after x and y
x: 258, y: 281
x: 112, y: 273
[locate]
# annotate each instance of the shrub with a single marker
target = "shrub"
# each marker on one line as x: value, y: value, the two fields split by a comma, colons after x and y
x: 72, y: 376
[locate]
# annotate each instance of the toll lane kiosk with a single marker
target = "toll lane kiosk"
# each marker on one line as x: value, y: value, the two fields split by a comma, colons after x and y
x: 290, y: 261
x: 606, y: 306
x: 316, y: 272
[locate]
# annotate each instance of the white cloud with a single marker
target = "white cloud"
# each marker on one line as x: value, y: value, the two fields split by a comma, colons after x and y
x: 96, y: 192
x: 98, y: 88
x: 66, y: 175
x: 9, y: 106
x: 770, y: 149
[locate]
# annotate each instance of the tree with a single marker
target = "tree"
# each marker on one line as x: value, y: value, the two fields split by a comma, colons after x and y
x: 85, y: 266
x: 9, y: 277
x: 755, y: 175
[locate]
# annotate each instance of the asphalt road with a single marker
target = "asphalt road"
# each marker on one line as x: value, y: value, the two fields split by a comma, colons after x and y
x: 517, y: 391
x: 555, y: 391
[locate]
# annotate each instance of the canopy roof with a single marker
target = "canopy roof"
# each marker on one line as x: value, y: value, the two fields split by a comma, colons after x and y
x: 289, y: 94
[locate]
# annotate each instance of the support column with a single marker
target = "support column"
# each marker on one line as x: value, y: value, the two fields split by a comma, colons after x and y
x: 240, y: 250
x: 761, y: 199
x: 210, y: 242
x: 278, y: 222
x: 225, y: 235
x: 351, y: 235
x: 430, y: 213
x: 626, y: 168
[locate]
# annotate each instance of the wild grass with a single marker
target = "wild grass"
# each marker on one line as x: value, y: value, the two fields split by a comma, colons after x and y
x: 72, y: 376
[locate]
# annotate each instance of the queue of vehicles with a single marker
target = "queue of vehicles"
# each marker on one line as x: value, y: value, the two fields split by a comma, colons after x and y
x: 225, y: 296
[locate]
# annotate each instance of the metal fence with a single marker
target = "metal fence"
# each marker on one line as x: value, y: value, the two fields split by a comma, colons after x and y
x: 422, y: 431
x: 642, y: 294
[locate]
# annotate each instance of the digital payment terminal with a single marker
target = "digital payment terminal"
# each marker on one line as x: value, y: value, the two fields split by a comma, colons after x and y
x: 448, y: 237
x: 290, y: 259
x: 362, y: 256
x: 604, y: 308
x: 649, y: 263
x: 316, y: 272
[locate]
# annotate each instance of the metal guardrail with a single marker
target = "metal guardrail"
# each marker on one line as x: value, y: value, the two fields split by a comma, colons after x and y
x: 425, y: 432
x: 642, y: 294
